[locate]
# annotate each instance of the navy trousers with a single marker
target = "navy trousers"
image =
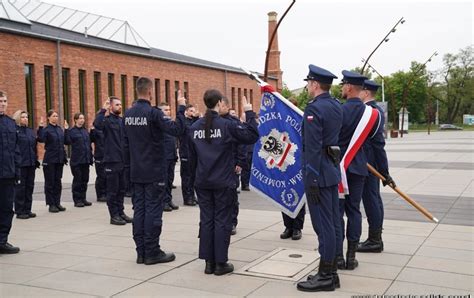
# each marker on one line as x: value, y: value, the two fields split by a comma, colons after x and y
x: 187, y: 181
x: 235, y: 207
x: 7, y: 195
x: 24, y: 191
x: 170, y: 165
x: 372, y: 201
x: 115, y: 188
x: 147, y: 202
x: 80, y: 179
x: 351, y: 207
x: 325, y: 221
x: 215, y: 223
x: 100, y: 180
x: 245, y: 177
x: 53, y: 173
x: 295, y: 223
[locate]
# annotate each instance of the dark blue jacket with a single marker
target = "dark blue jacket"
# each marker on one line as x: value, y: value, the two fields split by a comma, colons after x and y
x: 374, y: 147
x: 184, y: 139
x: 144, y: 146
x: 214, y: 163
x: 321, y: 126
x: 28, y: 149
x: 113, y: 129
x: 353, y: 110
x: 170, y: 147
x: 9, y: 149
x: 97, y: 136
x: 239, y: 150
x: 53, y: 138
x: 81, y: 151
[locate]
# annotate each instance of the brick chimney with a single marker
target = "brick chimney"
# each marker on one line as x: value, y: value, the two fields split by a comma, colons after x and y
x: 274, y: 56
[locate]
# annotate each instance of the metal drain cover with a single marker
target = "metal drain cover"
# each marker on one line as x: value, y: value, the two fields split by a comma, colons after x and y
x: 283, y: 263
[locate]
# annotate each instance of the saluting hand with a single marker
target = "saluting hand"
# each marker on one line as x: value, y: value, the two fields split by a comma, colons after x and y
x: 181, y: 99
x: 106, y: 105
x: 246, y: 105
x: 41, y: 124
x: 66, y: 125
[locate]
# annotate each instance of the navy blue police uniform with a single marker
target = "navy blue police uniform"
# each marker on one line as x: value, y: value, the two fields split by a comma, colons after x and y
x: 53, y: 162
x: 171, y: 158
x: 113, y: 129
x: 28, y: 164
x: 97, y: 137
x: 187, y: 176
x: 9, y: 175
x: 245, y: 176
x: 374, y: 149
x: 322, y: 122
x: 356, y: 174
x: 144, y: 153
x: 81, y: 159
x: 215, y: 183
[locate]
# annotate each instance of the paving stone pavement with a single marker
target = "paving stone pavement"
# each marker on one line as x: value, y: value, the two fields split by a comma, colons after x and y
x: 78, y: 253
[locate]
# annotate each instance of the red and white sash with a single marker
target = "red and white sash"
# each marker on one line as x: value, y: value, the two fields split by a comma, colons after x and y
x: 361, y: 132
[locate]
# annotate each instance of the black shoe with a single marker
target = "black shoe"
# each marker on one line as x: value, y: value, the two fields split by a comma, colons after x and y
x: 173, y: 205
x: 296, y: 235
x: 102, y: 199
x: 173, y: 186
x: 31, y: 215
x: 340, y: 262
x: 210, y: 267
x: 323, y: 281
x: 234, y: 230
x: 190, y: 203
x: 337, y: 282
x: 245, y: 188
x: 287, y: 233
x: 118, y: 221
x: 22, y: 216
x: 223, y: 268
x: 53, y: 209
x: 351, y: 262
x: 79, y: 204
x: 87, y: 203
x: 373, y: 244
x: 7, y: 248
x: 127, y: 219
x: 167, y: 207
x: 238, y: 191
x: 61, y: 208
x: 162, y: 257
x: 196, y: 201
x: 128, y: 194
x: 140, y: 260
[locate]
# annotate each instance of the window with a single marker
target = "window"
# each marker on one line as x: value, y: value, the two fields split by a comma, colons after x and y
x: 167, y: 91
x: 111, y: 84
x: 233, y: 97
x: 238, y: 109
x: 97, y: 90
x: 123, y: 88
x: 251, y: 96
x: 66, y: 93
x: 135, y: 79
x: 48, y: 87
x: 82, y: 91
x: 157, y: 91
x: 186, y: 90
x: 245, y: 93
x: 29, y: 93
x: 176, y: 89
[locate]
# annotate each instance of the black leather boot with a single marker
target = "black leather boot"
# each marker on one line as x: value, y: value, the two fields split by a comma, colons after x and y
x: 373, y: 244
x: 223, y: 268
x: 337, y: 282
x: 351, y: 262
x: 296, y: 234
x: 210, y: 267
x: 287, y: 233
x: 323, y: 281
x: 340, y: 262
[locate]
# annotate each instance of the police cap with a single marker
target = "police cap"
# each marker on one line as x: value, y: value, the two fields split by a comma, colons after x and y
x: 319, y: 74
x: 353, y: 78
x: 370, y: 85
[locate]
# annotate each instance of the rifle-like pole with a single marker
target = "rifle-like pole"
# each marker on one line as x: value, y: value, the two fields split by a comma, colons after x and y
x: 404, y: 196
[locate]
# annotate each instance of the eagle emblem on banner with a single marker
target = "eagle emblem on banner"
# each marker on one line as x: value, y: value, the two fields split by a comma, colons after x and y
x: 277, y: 150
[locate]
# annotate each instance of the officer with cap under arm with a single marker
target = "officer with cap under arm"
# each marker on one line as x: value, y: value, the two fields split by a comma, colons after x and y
x: 321, y: 125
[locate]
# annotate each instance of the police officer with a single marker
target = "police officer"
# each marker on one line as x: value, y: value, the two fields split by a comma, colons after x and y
x: 28, y: 165
x: 245, y: 176
x: 97, y: 137
x: 212, y: 141
x: 81, y: 158
x: 111, y: 124
x: 9, y: 174
x: 356, y: 172
x: 374, y: 149
x: 238, y: 151
x: 187, y: 176
x: 171, y: 159
x: 53, y: 161
x: 145, y: 127
x: 321, y: 125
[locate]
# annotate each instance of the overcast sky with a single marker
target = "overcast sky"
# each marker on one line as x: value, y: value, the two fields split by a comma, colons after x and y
x: 331, y: 34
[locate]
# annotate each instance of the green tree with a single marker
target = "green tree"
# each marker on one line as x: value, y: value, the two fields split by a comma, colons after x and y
x: 286, y: 92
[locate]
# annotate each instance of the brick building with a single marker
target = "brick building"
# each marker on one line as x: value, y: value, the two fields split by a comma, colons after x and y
x: 47, y: 63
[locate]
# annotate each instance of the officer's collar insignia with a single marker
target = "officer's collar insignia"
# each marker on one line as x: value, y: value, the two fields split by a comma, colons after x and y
x: 277, y: 150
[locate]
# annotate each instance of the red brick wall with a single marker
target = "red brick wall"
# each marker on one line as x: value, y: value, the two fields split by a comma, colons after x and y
x: 16, y: 50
